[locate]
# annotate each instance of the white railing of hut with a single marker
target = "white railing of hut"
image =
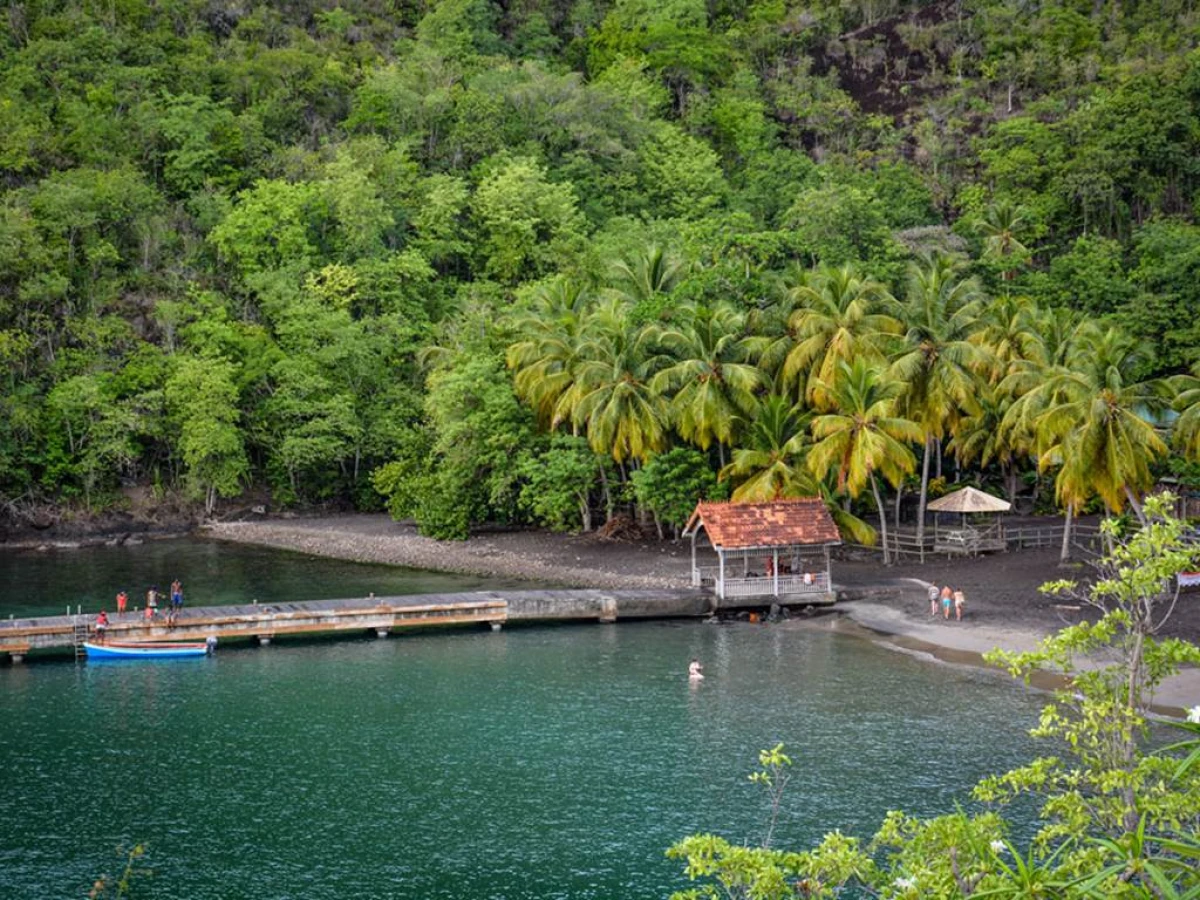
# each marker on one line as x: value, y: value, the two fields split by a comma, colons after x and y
x: 771, y: 586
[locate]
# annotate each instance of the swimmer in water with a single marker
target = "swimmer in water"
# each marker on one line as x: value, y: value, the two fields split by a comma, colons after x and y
x: 695, y: 670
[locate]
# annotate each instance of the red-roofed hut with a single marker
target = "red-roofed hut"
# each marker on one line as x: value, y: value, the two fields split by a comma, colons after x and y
x: 777, y: 549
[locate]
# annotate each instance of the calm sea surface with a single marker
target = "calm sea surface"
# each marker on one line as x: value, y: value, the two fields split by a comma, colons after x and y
x: 534, y: 763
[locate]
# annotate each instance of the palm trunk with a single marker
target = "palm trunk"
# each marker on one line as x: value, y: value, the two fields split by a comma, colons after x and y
x: 1064, y: 555
x: 899, y: 497
x: 608, y: 497
x: 883, y: 533
x: 1137, y: 507
x: 924, y: 498
x: 585, y: 512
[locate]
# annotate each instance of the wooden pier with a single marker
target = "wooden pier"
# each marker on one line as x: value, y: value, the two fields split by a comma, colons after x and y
x: 379, y: 615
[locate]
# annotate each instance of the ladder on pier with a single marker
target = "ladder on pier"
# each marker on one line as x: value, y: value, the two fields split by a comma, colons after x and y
x: 81, y: 633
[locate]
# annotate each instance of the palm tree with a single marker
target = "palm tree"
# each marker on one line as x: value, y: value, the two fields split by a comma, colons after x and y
x: 651, y: 273
x: 1010, y: 333
x: 863, y: 436
x: 940, y: 356
x: 543, y: 360
x: 999, y: 227
x: 1035, y: 385
x: 836, y: 321
x: 610, y: 392
x: 1100, y: 423
x: 1185, y: 433
x: 772, y: 337
x: 770, y: 465
x: 982, y: 437
x: 710, y: 384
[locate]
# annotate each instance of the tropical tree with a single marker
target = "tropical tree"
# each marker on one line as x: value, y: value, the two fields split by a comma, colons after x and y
x: 203, y: 398
x: 1101, y: 421
x: 981, y: 437
x: 645, y: 280
x: 999, y: 227
x: 1009, y: 332
x: 939, y: 356
x: 770, y: 464
x: 1185, y: 434
x: 610, y: 395
x: 862, y: 436
x: 710, y: 384
x: 837, y: 320
x: 552, y: 329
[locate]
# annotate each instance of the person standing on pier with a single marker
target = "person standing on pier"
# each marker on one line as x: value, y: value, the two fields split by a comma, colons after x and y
x: 152, y: 601
x: 122, y: 602
x: 101, y: 626
x: 176, y: 596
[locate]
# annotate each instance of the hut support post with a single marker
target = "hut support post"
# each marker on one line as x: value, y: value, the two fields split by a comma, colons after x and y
x: 721, y: 574
x: 775, y: 572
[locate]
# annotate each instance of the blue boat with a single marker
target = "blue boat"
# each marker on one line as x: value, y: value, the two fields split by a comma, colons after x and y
x: 150, y: 649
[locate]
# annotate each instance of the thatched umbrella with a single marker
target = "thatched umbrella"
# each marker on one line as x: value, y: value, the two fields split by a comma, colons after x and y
x: 970, y: 500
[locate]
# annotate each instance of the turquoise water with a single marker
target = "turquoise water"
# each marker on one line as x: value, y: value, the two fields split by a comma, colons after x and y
x: 40, y: 583
x: 533, y: 763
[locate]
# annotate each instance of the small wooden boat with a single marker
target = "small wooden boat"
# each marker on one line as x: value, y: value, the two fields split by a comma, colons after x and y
x: 149, y: 649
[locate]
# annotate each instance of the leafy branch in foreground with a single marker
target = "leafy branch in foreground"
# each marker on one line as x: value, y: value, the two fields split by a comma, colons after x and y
x: 106, y: 887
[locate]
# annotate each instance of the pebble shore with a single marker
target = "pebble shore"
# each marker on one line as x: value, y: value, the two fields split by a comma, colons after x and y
x: 479, y: 556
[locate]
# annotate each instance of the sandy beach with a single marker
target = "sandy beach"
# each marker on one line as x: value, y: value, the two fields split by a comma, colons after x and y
x: 1004, y: 607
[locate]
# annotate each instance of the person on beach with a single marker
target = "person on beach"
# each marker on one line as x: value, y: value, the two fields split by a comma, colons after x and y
x: 695, y: 670
x: 933, y: 599
x: 101, y: 626
x: 122, y: 602
x: 947, y: 600
x: 960, y: 600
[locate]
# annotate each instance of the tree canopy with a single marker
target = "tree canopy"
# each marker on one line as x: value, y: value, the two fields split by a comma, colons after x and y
x: 255, y: 248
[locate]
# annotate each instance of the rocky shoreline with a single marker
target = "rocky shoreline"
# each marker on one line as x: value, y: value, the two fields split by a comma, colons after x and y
x: 391, y: 544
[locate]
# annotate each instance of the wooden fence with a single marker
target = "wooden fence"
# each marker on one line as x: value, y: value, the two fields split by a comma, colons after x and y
x: 903, y: 543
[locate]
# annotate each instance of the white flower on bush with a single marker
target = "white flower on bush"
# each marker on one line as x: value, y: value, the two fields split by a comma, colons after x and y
x: 905, y: 884
x: 999, y: 847
x: 1194, y: 715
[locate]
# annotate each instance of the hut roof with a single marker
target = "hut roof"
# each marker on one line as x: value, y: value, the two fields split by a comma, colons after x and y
x: 969, y: 500
x: 777, y: 523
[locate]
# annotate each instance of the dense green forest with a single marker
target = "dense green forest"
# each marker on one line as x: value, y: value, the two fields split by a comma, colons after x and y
x: 544, y: 261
